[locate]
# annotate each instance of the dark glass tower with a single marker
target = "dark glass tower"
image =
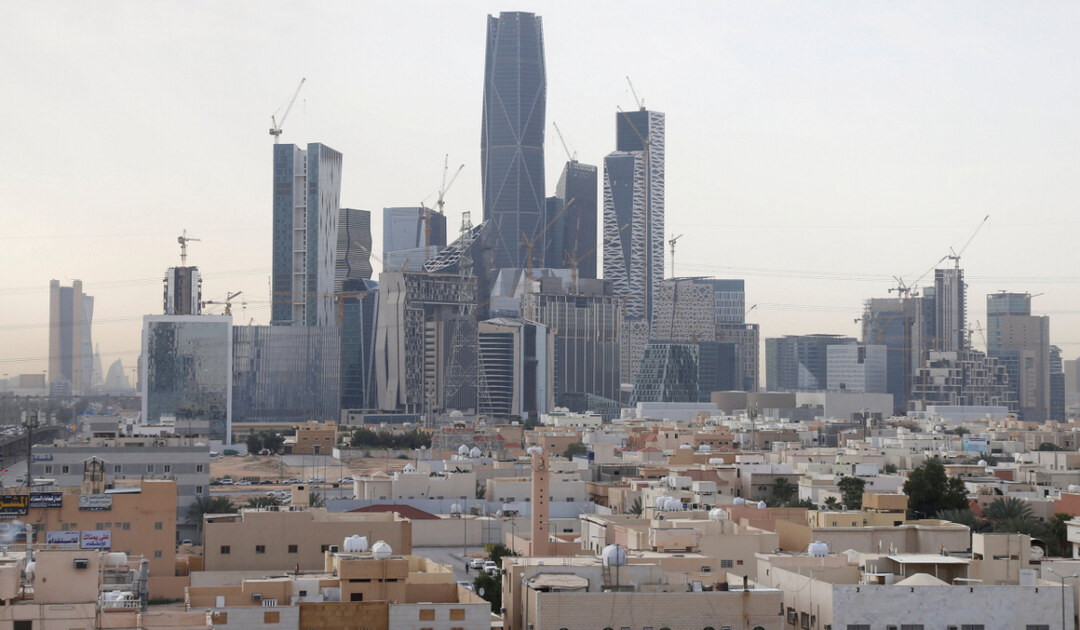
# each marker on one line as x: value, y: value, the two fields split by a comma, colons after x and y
x: 512, y: 136
x: 571, y: 239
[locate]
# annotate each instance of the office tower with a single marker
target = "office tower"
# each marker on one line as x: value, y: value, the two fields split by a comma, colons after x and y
x: 634, y: 211
x: 668, y: 373
x: 730, y: 300
x: 862, y: 369
x: 893, y: 323
x: 747, y: 340
x: 353, y: 247
x: 307, y: 192
x: 182, y: 291
x: 285, y: 374
x: 968, y: 378
x: 71, y: 350
x: 512, y: 136
x: 950, y: 310
x: 1021, y: 342
x: 359, y: 308
x: 1057, y: 385
x: 187, y: 373
x: 571, y: 217
x: 411, y: 237
x: 799, y: 362
x: 685, y: 311
x: 718, y: 368
x: 585, y: 318
x: 515, y: 378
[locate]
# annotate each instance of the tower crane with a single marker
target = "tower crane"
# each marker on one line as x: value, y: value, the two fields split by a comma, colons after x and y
x: 276, y: 125
x: 640, y: 103
x: 671, y: 242
x: 955, y: 256
x: 184, y: 239
x: 569, y: 156
x: 229, y: 297
x: 439, y: 202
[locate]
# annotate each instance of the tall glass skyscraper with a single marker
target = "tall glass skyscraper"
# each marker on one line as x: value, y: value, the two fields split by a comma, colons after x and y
x: 512, y: 136
x: 571, y: 239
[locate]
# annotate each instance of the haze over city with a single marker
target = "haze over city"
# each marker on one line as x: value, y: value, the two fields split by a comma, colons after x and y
x: 816, y: 151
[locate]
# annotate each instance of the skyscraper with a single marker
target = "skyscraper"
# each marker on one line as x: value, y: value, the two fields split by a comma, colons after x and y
x: 307, y: 192
x: 182, y: 291
x: 799, y: 362
x: 950, y: 303
x: 410, y: 239
x: 634, y: 211
x: 71, y: 351
x: 353, y: 247
x: 571, y: 237
x: 512, y: 136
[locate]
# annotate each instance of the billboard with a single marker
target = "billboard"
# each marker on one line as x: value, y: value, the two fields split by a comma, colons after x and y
x: 96, y: 539
x: 47, y: 499
x: 12, y: 505
x: 95, y: 501
x: 69, y: 538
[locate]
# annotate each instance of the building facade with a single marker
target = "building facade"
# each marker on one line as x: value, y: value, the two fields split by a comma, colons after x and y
x: 515, y: 376
x: 799, y: 362
x: 182, y: 291
x: 862, y: 369
x: 571, y: 235
x: 71, y: 348
x: 187, y: 370
x: 358, y: 304
x: 967, y: 378
x: 353, y: 247
x: 512, y: 136
x: 411, y: 237
x: 307, y: 193
x: 668, y: 373
x: 950, y: 310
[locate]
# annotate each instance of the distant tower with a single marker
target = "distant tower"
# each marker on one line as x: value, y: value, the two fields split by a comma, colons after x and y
x: 182, y: 291
x: 71, y: 354
x: 541, y: 495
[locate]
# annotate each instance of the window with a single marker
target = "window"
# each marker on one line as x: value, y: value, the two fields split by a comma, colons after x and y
x: 99, y: 525
x: 48, y: 470
x: 858, y: 626
x: 65, y: 469
x: 157, y: 553
x: 158, y: 526
x: 260, y: 548
x: 1036, y: 626
x: 198, y: 468
x: 167, y: 468
x: 118, y: 469
x: 23, y: 625
x: 271, y: 616
x: 293, y: 548
x: 971, y: 626
x: 427, y: 614
x: 457, y: 614
x: 198, y: 490
x: 919, y: 626
x: 226, y: 550
x: 126, y: 526
x: 149, y: 468
x: 726, y: 564
x: 324, y: 548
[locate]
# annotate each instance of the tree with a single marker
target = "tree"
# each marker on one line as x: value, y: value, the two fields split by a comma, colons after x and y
x: 316, y: 499
x: 206, y: 504
x: 577, y: 448
x: 260, y: 502
x: 851, y: 489
x: 1050, y: 446
x: 490, y: 589
x: 1005, y: 509
x: 930, y: 490
x: 830, y: 503
x: 253, y: 443
x: 890, y: 469
x: 783, y: 489
x: 1059, y: 533
x: 964, y: 517
x: 636, y: 508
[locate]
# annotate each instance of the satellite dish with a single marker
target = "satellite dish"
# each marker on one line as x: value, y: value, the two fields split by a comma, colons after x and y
x: 481, y: 591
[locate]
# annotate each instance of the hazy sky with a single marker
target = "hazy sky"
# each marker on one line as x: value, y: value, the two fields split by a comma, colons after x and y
x: 814, y: 149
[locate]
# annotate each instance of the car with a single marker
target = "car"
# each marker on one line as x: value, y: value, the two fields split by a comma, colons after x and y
x: 466, y: 585
x: 244, y: 482
x: 20, y: 479
x: 491, y: 568
x: 476, y: 563
x: 266, y: 482
x: 225, y: 482
x: 186, y: 541
x: 317, y: 480
x: 346, y: 480
x: 292, y: 480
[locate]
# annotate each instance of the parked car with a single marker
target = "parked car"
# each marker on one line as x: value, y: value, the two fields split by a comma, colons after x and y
x: 225, y: 482
x: 476, y: 563
x: 292, y: 480
x: 317, y: 480
x: 266, y: 482
x: 346, y: 480
x: 491, y: 568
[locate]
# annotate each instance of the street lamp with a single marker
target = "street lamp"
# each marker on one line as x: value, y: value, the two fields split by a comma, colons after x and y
x: 1063, y: 578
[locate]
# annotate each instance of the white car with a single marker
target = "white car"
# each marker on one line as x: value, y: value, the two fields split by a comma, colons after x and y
x: 476, y: 563
x: 491, y: 568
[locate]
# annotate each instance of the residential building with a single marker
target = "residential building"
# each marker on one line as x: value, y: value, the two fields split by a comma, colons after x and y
x: 889, y: 322
x: 512, y: 137
x: 307, y: 193
x: 353, y: 247
x: 799, y: 362
x: 411, y: 237
x: 514, y: 368
x: 571, y: 221
x: 315, y: 438
x: 968, y: 378
x: 187, y: 370
x: 1057, y: 385
x: 182, y: 291
x: 1021, y: 342
x: 747, y: 340
x: 286, y: 374
x: 71, y: 348
x: 950, y: 310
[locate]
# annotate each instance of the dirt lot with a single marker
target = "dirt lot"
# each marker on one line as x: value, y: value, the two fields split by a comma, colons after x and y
x: 274, y: 468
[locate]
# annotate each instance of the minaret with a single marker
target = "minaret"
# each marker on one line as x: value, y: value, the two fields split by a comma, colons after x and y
x: 541, y: 493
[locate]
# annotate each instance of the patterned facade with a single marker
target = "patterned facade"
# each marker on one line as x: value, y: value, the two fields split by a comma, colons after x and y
x: 307, y: 192
x: 962, y: 378
x: 512, y: 136
x: 685, y: 311
x: 353, y: 247
x: 668, y: 373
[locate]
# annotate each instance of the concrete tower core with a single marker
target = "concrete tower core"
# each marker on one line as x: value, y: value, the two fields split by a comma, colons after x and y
x: 541, y: 484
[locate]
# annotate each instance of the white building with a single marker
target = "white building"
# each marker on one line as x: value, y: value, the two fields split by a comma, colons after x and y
x: 860, y: 369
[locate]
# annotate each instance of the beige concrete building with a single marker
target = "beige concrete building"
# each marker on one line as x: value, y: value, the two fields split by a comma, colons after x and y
x: 413, y: 484
x: 315, y: 438
x: 269, y: 539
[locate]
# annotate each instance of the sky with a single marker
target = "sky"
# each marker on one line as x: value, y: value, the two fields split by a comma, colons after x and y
x: 816, y: 150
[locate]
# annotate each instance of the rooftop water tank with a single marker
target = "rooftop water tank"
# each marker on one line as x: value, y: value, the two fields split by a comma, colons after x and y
x: 30, y: 568
x: 740, y: 501
x: 613, y: 556
x: 534, y: 450
x: 686, y: 447
x: 381, y: 550
x: 817, y: 549
x: 455, y: 508
x: 475, y: 452
x: 463, y: 450
x: 761, y: 505
x: 355, y: 544
x: 717, y: 514
x: 115, y: 559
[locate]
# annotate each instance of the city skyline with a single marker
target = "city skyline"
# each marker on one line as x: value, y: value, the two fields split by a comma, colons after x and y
x: 776, y: 150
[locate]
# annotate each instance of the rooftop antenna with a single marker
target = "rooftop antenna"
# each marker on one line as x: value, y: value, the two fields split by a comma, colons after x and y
x: 276, y: 125
x: 184, y: 239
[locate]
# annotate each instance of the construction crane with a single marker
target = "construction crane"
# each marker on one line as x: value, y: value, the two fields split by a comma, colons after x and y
x: 954, y: 255
x: 440, y: 202
x: 569, y: 156
x: 529, y: 243
x: 275, y: 124
x: 640, y: 103
x: 184, y: 239
x: 229, y: 297
x: 573, y: 261
x: 671, y: 242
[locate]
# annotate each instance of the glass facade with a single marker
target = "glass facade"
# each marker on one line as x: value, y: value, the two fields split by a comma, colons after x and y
x: 358, y: 306
x: 512, y: 135
x: 187, y: 370
x: 668, y: 373
x: 571, y: 237
x: 286, y: 373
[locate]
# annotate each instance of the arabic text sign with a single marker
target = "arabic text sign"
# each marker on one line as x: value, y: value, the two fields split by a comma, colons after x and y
x: 95, y: 501
x: 12, y: 505
x: 62, y: 538
x: 96, y: 539
x: 47, y: 499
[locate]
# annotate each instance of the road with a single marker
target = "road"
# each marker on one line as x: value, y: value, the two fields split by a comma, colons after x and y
x: 451, y: 556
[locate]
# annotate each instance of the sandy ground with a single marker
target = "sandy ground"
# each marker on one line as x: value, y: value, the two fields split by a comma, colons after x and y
x: 275, y: 468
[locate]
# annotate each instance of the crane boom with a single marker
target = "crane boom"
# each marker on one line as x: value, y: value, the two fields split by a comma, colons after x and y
x: 275, y: 125
x: 184, y: 239
x: 955, y: 256
x: 640, y: 103
x: 572, y: 158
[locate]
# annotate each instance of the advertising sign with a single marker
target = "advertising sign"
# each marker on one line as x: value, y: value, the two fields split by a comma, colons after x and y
x: 96, y: 539
x: 70, y: 538
x: 12, y: 505
x: 95, y: 501
x: 47, y: 499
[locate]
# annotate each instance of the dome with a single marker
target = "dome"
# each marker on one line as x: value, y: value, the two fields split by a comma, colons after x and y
x: 355, y: 544
x: 463, y: 450
x: 817, y: 549
x: 761, y: 505
x: 475, y: 452
x: 613, y: 556
x: 381, y: 550
x: 717, y: 514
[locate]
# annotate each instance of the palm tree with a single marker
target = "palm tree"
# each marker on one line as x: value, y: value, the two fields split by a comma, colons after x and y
x: 260, y: 502
x: 782, y: 489
x: 636, y: 508
x: 207, y: 504
x: 1006, y: 509
x: 830, y: 503
x: 316, y: 499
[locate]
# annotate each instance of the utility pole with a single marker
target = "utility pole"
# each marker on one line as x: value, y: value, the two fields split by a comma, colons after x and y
x: 30, y: 420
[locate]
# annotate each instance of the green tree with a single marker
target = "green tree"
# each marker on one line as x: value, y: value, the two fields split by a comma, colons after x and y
x: 964, y: 517
x: 316, y: 499
x: 260, y: 502
x: 490, y: 589
x: 273, y: 442
x: 254, y: 443
x: 930, y: 490
x: 1059, y: 533
x: 830, y: 503
x: 1050, y: 446
x: 1005, y: 509
x: 577, y: 448
x: 636, y: 508
x: 851, y: 489
x: 783, y: 489
x: 206, y: 504
x: 890, y: 469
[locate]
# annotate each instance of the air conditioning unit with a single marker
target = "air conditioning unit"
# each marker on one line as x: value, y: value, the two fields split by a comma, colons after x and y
x: 81, y: 563
x: 891, y: 627
x: 333, y: 548
x: 256, y: 597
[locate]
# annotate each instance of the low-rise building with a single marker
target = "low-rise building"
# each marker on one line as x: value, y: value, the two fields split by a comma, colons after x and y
x: 314, y: 438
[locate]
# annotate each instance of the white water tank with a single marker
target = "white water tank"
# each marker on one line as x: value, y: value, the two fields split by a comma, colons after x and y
x: 534, y: 450
x: 381, y: 550
x: 661, y: 502
x: 475, y: 452
x: 455, y: 508
x: 355, y: 544
x: 704, y: 448
x: 982, y: 462
x: 115, y: 559
x: 761, y: 505
x: 671, y: 504
x: 740, y: 501
x: 463, y: 450
x: 817, y: 549
x: 30, y: 568
x: 613, y: 556
x: 717, y: 514
x: 713, y: 461
x: 1074, y: 489
x: 409, y: 468
x: 686, y: 447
